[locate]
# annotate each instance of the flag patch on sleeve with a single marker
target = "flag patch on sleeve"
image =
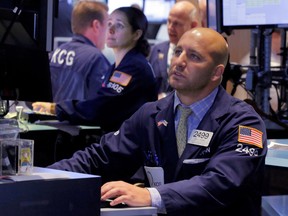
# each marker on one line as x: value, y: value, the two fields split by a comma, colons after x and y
x: 120, y: 78
x: 250, y: 135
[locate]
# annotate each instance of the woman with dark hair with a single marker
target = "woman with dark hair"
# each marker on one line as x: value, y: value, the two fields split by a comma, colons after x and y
x: 127, y: 23
x: 126, y: 86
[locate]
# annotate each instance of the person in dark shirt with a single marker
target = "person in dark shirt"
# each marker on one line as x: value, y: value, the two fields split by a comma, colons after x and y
x: 78, y: 67
x: 128, y: 84
x: 183, y: 16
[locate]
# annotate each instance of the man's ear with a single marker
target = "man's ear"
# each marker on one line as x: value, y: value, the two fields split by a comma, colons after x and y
x: 95, y: 25
x: 218, y: 72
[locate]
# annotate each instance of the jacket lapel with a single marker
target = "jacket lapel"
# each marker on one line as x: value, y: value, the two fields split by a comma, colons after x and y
x: 165, y: 124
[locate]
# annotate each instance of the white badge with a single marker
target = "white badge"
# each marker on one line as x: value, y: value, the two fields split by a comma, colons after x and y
x: 155, y: 175
x: 200, y: 137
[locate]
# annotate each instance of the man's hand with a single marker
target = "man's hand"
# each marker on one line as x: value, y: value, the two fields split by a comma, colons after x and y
x: 122, y: 192
x: 44, y: 107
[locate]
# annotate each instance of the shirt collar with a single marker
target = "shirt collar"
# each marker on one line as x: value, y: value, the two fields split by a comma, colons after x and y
x: 201, y: 107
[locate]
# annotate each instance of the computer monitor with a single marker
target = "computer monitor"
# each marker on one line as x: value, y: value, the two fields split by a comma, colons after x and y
x: 24, y: 74
x: 224, y: 15
x: 157, y: 11
x: 50, y: 192
x: 254, y: 13
x: 26, y: 37
x: 27, y: 23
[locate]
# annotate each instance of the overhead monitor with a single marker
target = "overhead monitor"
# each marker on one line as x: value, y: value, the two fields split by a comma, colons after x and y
x: 226, y: 15
x: 26, y: 37
x: 254, y: 13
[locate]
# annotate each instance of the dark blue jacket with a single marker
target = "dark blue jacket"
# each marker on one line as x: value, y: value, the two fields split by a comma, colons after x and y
x: 225, y: 178
x: 158, y: 60
x: 77, y: 69
x: 116, y: 100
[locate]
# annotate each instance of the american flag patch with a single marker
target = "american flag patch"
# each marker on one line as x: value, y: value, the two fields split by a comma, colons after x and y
x: 120, y: 78
x: 250, y: 135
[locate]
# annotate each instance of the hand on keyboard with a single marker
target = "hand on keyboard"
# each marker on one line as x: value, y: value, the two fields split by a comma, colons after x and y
x: 43, y: 108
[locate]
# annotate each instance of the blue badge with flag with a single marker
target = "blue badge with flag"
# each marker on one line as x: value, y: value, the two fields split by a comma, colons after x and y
x: 120, y: 78
x: 250, y: 135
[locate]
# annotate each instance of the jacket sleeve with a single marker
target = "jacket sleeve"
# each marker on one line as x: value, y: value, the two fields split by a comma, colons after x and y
x: 113, y: 103
x: 118, y: 155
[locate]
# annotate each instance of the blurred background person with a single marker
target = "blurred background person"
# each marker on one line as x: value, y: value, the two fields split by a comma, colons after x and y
x: 183, y: 16
x: 135, y: 5
x: 203, y: 11
x: 202, y: 5
x: 78, y: 66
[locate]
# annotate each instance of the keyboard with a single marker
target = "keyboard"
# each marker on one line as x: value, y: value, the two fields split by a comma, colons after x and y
x: 40, y: 116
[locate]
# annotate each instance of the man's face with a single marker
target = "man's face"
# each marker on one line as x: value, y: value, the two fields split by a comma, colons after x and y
x: 192, y: 65
x: 177, y: 24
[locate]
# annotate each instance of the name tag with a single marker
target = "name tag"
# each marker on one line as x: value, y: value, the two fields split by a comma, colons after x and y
x: 200, y: 138
x: 155, y: 175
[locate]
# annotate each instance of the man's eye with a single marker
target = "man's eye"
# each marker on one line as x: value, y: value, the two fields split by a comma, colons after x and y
x: 177, y: 52
x: 193, y: 56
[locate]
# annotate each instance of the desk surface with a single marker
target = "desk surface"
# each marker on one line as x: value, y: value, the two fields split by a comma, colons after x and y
x: 53, y: 125
x: 71, y: 175
x: 50, y: 192
x: 277, y: 157
x: 141, y: 211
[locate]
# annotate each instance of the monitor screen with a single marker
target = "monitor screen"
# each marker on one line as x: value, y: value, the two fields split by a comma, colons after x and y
x: 27, y: 23
x: 254, y: 13
x: 24, y: 74
x: 26, y: 38
x: 226, y: 15
x: 157, y: 11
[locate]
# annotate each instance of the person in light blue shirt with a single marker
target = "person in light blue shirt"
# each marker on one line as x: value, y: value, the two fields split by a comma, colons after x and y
x: 221, y: 169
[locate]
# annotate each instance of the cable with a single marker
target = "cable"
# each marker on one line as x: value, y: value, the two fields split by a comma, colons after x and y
x: 4, y: 107
x: 17, y: 11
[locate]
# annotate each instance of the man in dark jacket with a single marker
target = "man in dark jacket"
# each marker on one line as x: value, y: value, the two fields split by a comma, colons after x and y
x: 221, y: 168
